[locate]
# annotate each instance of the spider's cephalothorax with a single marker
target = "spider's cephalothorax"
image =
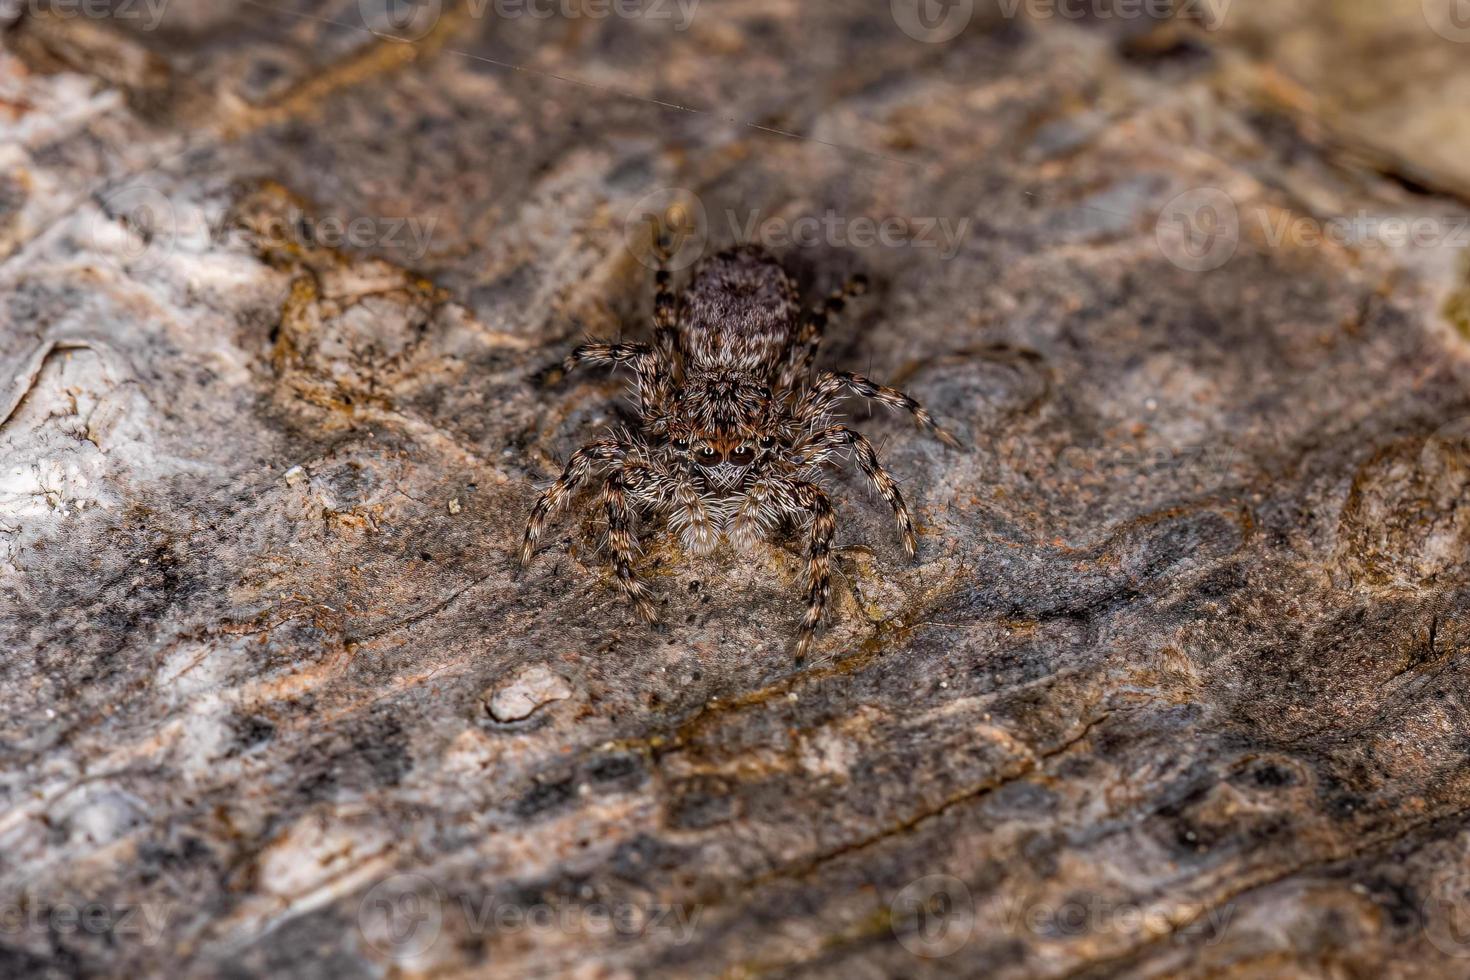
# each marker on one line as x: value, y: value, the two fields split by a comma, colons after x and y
x: 735, y: 426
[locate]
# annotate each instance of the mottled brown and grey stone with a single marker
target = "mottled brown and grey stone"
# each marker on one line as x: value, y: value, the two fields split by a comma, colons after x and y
x: 1176, y: 688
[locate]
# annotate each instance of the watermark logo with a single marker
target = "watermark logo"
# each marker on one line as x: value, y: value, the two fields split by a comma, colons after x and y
x: 1450, y: 19
x: 139, y: 224
x: 933, y: 916
x: 1447, y: 915
x: 1449, y: 445
x: 932, y: 21
x: 400, y: 20
x: 401, y: 917
x: 668, y: 227
x: 1199, y: 230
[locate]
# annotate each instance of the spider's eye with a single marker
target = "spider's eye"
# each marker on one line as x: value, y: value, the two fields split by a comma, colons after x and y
x: 681, y: 444
x: 708, y: 455
x: 741, y: 456
x: 768, y: 442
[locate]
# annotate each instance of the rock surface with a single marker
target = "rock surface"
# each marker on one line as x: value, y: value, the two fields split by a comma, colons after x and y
x: 1177, y: 686
x: 529, y: 690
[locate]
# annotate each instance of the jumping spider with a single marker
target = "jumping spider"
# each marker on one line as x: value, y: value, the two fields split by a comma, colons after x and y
x: 734, y: 426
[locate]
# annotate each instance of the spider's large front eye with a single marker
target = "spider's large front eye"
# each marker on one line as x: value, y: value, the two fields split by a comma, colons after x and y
x: 707, y: 456
x: 741, y: 456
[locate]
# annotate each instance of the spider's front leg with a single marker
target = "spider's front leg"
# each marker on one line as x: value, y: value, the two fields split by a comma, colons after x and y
x: 655, y: 379
x: 763, y: 508
x: 813, y: 325
x: 665, y: 311
x: 836, y: 437
x: 593, y: 352
x: 814, y: 501
x: 579, y: 470
x: 618, y: 507
x: 823, y: 396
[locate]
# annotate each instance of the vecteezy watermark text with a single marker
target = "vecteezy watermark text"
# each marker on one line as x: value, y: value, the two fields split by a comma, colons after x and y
x: 861, y: 231
x: 937, y: 21
x: 143, y: 227
x: 143, y: 14
x: 1202, y: 229
x: 403, y: 916
x: 39, y: 917
x: 936, y: 915
x: 673, y: 224
x: 412, y: 20
x: 1202, y: 461
x: 1095, y: 914
x: 680, y: 13
x: 409, y: 234
x: 1364, y: 230
x: 1209, y: 14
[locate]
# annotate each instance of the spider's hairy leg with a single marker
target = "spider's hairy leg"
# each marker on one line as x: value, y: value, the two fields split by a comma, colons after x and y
x: 824, y: 392
x: 624, y: 547
x: 839, y: 436
x: 578, y: 470
x: 803, y: 350
x: 814, y: 501
x: 665, y: 309
x: 654, y: 385
x: 598, y: 352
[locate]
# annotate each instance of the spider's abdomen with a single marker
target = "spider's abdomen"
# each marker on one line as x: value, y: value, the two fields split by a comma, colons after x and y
x: 740, y: 311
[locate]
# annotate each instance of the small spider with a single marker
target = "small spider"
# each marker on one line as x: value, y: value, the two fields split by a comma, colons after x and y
x: 734, y: 427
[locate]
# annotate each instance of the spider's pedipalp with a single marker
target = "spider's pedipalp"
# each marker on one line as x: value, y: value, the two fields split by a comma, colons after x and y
x: 822, y: 397
x: 578, y: 471
x: 669, y: 492
x: 690, y: 519
x: 838, y: 436
x: 755, y: 518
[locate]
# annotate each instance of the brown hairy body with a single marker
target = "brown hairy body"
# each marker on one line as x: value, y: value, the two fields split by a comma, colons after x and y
x: 735, y: 427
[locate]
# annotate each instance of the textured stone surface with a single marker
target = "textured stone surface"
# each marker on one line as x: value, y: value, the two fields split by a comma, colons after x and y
x: 1372, y: 74
x: 1176, y: 687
